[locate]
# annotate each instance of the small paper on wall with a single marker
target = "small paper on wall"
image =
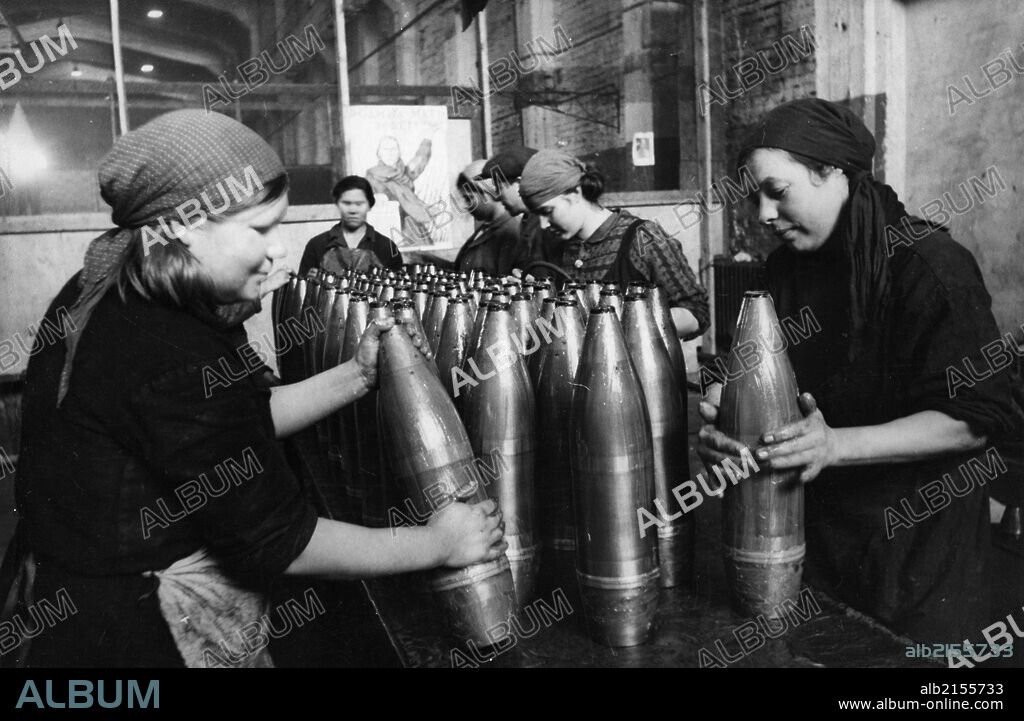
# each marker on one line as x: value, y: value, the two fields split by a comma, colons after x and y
x: 643, y: 148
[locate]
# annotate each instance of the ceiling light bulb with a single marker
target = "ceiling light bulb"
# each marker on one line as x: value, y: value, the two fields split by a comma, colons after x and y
x: 155, y: 14
x: 147, y: 68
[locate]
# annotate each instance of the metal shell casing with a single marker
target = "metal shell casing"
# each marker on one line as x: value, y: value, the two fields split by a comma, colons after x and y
x: 668, y: 436
x: 453, y: 346
x: 289, y: 349
x: 499, y: 415
x: 435, y: 320
x: 375, y: 482
x: 309, y: 306
x: 432, y: 457
x: 558, y: 361
x: 655, y: 298
x: 355, y: 325
x: 762, y: 514
x: 612, y: 464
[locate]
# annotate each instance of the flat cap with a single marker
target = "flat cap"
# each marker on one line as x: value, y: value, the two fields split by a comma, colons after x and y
x: 509, y: 163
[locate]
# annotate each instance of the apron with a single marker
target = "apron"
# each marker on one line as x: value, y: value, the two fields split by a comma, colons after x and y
x: 214, y: 622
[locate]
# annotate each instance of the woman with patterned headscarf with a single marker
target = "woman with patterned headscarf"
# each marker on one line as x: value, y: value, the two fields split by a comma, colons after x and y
x: 897, y: 516
x: 609, y: 245
x: 158, y: 506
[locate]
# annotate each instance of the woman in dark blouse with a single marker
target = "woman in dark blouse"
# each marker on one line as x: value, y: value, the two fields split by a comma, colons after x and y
x: 897, y: 515
x: 158, y: 502
x: 352, y: 244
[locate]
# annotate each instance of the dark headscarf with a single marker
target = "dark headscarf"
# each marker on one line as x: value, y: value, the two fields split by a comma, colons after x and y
x: 832, y: 134
x: 183, y: 156
x: 816, y: 129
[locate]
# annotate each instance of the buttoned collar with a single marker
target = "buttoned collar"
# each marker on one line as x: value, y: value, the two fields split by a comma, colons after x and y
x: 605, y: 228
x: 337, y: 237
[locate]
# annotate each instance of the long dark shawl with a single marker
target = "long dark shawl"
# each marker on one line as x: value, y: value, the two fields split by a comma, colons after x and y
x: 176, y: 160
x: 829, y: 133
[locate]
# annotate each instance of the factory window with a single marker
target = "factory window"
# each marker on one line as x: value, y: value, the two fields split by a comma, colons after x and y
x: 608, y: 82
x: 612, y: 84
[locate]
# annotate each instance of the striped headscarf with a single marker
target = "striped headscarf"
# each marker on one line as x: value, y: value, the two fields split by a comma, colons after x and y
x: 547, y: 174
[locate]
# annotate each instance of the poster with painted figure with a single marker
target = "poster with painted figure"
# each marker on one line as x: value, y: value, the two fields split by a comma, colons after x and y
x: 403, y: 151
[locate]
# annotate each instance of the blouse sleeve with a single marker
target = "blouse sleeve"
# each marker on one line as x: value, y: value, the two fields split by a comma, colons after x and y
x: 206, y: 432
x: 660, y: 257
x: 945, y: 330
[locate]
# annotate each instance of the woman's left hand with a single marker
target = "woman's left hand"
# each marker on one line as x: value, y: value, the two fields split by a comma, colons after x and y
x: 369, y: 347
x: 274, y: 281
x: 809, y: 443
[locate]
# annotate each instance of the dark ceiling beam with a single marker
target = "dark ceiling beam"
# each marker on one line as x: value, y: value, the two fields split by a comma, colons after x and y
x: 89, y: 52
x: 319, y: 16
x: 302, y: 90
x: 11, y: 27
x: 215, y: 58
x: 42, y: 9
x: 97, y: 102
x: 243, y: 11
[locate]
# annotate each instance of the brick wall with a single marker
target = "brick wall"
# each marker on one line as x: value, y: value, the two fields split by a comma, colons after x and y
x: 598, y: 59
x: 502, y: 39
x: 747, y: 27
x: 433, y: 33
x: 595, y: 60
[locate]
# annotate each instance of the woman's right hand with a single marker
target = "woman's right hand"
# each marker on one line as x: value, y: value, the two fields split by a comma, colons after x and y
x: 279, y: 277
x: 369, y: 348
x: 469, y: 534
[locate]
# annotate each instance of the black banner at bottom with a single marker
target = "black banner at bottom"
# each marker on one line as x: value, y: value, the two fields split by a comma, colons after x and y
x: 837, y: 691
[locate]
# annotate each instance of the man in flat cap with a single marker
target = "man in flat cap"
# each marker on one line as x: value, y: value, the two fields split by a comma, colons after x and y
x: 505, y: 170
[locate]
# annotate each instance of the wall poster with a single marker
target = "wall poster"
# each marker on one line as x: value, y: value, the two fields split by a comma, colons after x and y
x: 412, y: 154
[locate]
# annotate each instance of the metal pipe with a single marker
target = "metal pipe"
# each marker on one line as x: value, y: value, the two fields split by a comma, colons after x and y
x: 115, y: 33
x: 342, y: 164
x: 704, y: 264
x: 484, y: 58
x: 112, y: 97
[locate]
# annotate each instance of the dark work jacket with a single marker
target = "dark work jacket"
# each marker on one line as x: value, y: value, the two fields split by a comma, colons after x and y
x: 496, y: 247
x: 385, y: 250
x: 541, y: 243
x: 156, y: 451
x: 923, y: 577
